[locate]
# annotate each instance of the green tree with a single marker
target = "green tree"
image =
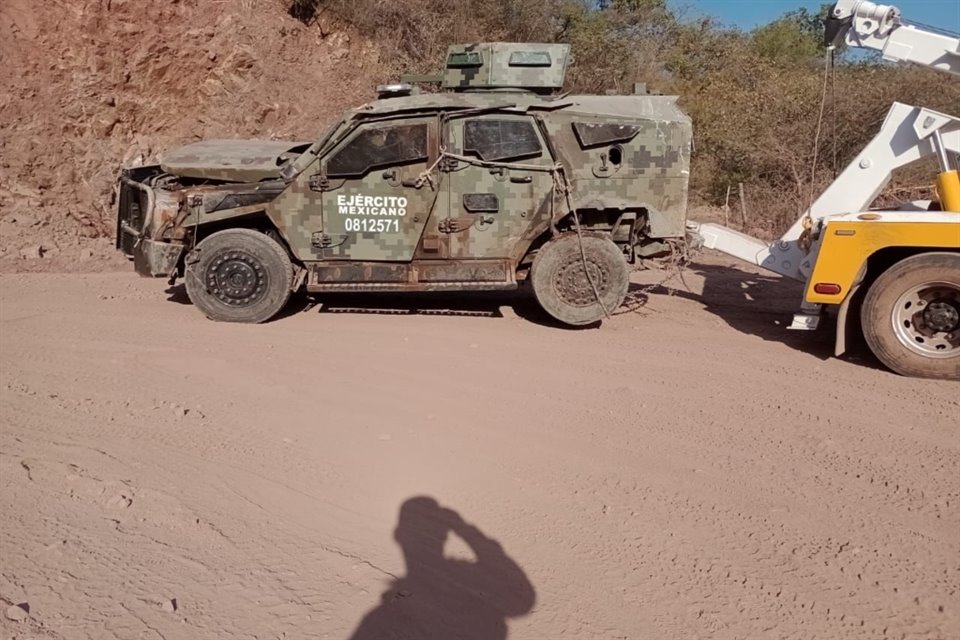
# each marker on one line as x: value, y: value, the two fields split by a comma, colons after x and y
x: 791, y: 40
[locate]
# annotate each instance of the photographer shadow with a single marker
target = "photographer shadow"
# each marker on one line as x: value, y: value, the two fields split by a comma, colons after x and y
x: 442, y: 598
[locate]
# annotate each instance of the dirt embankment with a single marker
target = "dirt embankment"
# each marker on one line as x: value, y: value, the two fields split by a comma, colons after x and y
x: 89, y: 86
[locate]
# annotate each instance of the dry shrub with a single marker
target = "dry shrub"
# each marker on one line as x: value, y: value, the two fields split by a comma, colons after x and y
x: 86, y: 92
x: 414, y: 34
x: 756, y: 124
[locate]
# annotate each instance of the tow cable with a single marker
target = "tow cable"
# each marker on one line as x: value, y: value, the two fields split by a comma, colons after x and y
x: 806, y: 238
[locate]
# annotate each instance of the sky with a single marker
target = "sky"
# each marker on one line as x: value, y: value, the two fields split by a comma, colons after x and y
x: 747, y: 14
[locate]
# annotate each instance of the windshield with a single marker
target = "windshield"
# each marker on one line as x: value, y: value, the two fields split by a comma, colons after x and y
x: 295, y: 165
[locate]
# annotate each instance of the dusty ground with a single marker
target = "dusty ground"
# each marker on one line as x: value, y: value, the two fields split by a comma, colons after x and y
x: 688, y: 470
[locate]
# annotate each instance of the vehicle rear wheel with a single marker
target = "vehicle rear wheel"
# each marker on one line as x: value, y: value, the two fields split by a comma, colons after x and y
x: 911, y: 316
x: 239, y: 275
x: 562, y: 285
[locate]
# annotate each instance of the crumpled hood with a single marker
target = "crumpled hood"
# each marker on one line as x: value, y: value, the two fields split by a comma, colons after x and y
x: 234, y: 160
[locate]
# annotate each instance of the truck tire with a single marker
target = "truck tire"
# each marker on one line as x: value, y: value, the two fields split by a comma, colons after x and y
x: 239, y: 275
x: 911, y: 316
x: 562, y: 287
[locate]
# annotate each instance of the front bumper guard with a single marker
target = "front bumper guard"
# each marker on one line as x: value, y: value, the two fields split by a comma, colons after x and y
x: 151, y: 258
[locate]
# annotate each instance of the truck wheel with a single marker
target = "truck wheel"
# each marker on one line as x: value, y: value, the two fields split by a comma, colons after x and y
x: 239, y: 275
x: 911, y: 316
x: 562, y: 287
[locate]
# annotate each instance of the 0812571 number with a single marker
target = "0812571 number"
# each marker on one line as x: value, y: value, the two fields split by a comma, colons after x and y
x: 371, y: 225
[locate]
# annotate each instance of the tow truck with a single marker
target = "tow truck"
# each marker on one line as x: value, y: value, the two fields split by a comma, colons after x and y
x: 891, y: 274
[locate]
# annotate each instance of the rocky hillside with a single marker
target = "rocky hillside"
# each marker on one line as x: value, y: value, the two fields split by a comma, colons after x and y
x: 87, y: 86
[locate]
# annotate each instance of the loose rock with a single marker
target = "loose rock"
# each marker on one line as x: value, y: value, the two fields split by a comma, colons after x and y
x: 120, y: 501
x: 32, y: 251
x: 18, y: 612
x: 23, y: 219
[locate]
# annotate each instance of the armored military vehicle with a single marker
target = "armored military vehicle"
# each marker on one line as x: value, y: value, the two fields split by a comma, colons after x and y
x: 496, y: 179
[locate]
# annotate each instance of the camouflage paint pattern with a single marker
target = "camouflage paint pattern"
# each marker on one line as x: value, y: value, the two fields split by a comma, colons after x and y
x: 654, y: 168
x: 499, y: 65
x: 522, y: 197
x: 379, y: 215
x: 624, y: 157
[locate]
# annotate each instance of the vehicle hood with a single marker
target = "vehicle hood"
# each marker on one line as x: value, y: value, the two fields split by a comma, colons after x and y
x: 233, y: 160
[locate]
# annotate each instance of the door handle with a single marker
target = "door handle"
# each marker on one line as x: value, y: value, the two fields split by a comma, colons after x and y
x: 391, y: 176
x: 521, y: 179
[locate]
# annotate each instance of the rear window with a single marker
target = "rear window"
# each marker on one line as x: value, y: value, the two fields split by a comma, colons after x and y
x: 464, y: 59
x: 592, y: 134
x: 530, y: 59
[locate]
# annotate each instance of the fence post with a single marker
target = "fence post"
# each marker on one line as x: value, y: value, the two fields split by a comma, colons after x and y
x: 743, y: 207
x: 726, y: 208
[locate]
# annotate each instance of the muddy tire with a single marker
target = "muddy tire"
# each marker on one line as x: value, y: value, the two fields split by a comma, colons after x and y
x: 239, y: 275
x: 562, y: 287
x: 911, y: 316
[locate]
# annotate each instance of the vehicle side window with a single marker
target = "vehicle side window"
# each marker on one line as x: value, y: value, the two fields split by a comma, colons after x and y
x: 379, y: 147
x: 592, y: 134
x: 492, y: 140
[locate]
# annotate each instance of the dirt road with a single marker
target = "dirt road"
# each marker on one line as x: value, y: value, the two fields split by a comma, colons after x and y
x: 688, y: 470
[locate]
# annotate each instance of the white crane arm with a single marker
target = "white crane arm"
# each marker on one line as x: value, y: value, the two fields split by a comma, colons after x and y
x: 908, y: 134
x: 868, y: 25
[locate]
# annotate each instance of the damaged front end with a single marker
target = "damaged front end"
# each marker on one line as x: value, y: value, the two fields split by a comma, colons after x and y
x: 160, y: 206
x: 143, y: 210
x: 159, y: 213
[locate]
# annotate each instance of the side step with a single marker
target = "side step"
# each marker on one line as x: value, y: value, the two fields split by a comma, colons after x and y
x: 410, y: 286
x: 418, y: 275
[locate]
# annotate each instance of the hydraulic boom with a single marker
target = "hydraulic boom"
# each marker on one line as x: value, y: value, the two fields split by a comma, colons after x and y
x: 834, y: 270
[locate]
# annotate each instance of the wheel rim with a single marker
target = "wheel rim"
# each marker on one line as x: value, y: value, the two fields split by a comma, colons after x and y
x: 926, y: 319
x: 575, y: 288
x: 236, y: 278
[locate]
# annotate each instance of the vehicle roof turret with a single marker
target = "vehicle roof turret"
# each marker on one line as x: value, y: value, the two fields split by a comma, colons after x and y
x: 506, y: 66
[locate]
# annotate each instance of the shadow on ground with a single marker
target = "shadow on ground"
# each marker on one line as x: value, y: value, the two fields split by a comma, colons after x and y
x: 177, y: 294
x: 755, y: 304
x: 440, y: 598
x: 481, y: 304
x: 763, y: 306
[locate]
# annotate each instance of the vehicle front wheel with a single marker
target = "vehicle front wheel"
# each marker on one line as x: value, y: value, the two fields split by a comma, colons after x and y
x: 568, y: 291
x: 239, y: 275
x: 911, y: 316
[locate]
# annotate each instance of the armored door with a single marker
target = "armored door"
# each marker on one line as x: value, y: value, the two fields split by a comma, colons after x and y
x: 493, y: 203
x: 375, y: 198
